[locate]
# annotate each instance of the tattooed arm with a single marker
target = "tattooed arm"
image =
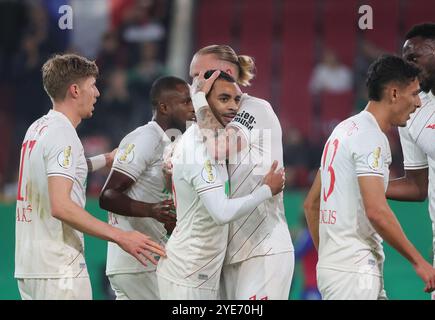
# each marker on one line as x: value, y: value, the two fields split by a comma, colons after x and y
x: 220, y: 141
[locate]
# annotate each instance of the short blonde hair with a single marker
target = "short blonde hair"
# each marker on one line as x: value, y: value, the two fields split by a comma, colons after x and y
x: 245, y: 64
x: 60, y: 71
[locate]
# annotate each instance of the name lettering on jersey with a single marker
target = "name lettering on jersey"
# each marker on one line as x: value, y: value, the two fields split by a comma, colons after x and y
x: 431, y: 126
x: 374, y: 160
x: 208, y: 173
x: 246, y: 120
x: 352, y: 127
x: 64, y: 158
x: 24, y: 213
x: 328, y: 216
x: 202, y: 276
x: 127, y: 154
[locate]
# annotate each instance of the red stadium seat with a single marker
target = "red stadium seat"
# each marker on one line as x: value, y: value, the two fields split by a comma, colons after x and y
x: 214, y: 23
x: 256, y: 39
x: 334, y: 109
x: 416, y: 12
x: 297, y: 61
x: 384, y: 34
x: 340, y: 23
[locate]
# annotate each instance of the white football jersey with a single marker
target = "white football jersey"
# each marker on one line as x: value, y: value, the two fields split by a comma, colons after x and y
x: 265, y: 230
x: 46, y: 247
x: 348, y: 242
x: 139, y: 156
x: 196, y: 249
x: 418, y: 143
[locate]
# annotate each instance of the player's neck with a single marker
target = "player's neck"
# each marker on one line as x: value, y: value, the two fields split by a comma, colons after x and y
x: 68, y: 111
x: 380, y: 113
x: 161, y: 122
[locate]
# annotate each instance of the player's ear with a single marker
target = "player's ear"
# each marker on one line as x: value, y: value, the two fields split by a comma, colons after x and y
x: 394, y: 94
x: 73, y: 90
x: 390, y: 93
x: 162, y: 108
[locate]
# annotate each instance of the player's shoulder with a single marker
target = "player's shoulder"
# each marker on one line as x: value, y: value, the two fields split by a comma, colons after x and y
x: 56, y: 129
x: 190, y: 148
x: 145, y: 135
x: 358, y: 129
x: 256, y: 113
x: 249, y: 103
x: 191, y: 139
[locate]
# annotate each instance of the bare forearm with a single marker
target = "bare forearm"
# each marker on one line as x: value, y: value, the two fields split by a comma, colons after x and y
x: 81, y: 220
x: 404, y: 189
x: 120, y: 203
x: 312, y: 217
x: 312, y: 209
x: 388, y: 227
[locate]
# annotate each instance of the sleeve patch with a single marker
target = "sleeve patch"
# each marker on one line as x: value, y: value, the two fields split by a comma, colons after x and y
x: 374, y: 160
x: 64, y: 158
x: 126, y: 155
x: 208, y: 173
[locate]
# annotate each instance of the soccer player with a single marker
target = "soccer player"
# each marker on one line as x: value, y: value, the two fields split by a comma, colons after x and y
x: 50, y: 221
x: 354, y: 215
x: 259, y: 262
x: 135, y: 193
x: 418, y: 137
x: 196, y: 249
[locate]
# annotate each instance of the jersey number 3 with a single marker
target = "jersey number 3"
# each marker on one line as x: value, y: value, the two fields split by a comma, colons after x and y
x: 330, y: 169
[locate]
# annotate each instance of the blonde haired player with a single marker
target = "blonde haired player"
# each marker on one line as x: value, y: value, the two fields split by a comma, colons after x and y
x: 259, y: 261
x: 49, y: 246
x: 346, y: 208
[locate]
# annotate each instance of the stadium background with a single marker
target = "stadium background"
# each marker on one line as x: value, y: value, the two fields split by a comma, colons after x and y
x: 311, y: 59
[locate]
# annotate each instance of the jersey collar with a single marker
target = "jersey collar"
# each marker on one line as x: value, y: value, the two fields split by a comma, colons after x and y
x: 61, y: 116
x: 159, y: 129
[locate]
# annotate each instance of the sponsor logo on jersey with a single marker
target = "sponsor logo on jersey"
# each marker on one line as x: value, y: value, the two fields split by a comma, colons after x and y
x: 208, y: 173
x: 64, y: 158
x: 374, y: 160
x: 245, y: 119
x: 126, y: 155
x: 202, y: 276
x: 431, y: 126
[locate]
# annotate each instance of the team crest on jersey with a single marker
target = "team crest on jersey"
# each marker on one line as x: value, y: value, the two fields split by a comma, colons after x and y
x: 126, y: 155
x: 64, y: 158
x: 208, y: 173
x: 374, y: 160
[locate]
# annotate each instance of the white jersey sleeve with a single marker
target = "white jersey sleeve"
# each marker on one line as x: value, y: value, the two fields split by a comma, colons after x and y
x: 133, y: 156
x: 204, y: 178
x: 224, y: 210
x: 413, y: 157
x: 62, y: 155
x: 368, y: 155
